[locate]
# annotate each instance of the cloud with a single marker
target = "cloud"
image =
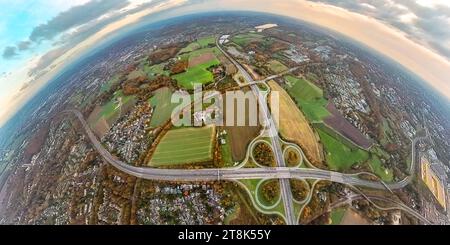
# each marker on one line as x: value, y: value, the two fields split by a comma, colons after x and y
x: 73, y: 17
x: 47, y: 59
x: 425, y: 24
x: 9, y: 52
x: 77, y: 34
x: 23, y: 45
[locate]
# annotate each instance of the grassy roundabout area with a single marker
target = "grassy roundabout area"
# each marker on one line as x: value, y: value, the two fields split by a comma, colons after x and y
x: 292, y: 157
x: 300, y: 189
x: 184, y: 146
x: 268, y: 192
x: 262, y: 154
x: 254, y: 186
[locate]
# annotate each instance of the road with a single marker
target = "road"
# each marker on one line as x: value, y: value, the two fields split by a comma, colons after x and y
x: 212, y: 174
x: 270, y: 126
x: 281, y: 172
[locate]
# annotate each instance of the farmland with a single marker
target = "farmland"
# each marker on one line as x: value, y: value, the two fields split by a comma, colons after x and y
x: 184, y: 146
x: 341, y: 125
x: 341, y: 156
x: 337, y: 215
x: 108, y: 85
x: 276, y: 66
x: 308, y: 97
x: 163, y: 107
x: 104, y: 116
x: 154, y: 70
x: 200, y: 43
x: 245, y: 39
x: 377, y: 167
x: 199, y: 62
x: 240, y: 136
x: 295, y: 128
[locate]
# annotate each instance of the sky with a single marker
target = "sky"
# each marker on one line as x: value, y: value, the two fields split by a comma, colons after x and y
x: 39, y: 37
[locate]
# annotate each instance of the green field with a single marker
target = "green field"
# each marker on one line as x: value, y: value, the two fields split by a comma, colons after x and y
x: 340, y: 156
x: 196, y: 74
x: 136, y: 73
x: 308, y: 97
x: 244, y: 39
x: 198, y: 52
x: 200, y: 43
x: 326, y: 129
x: 163, y: 106
x: 184, y: 146
x: 345, y: 153
x: 387, y: 132
x: 206, y: 41
x: 337, y: 215
x: 277, y: 67
x: 155, y: 70
x: 377, y: 167
x: 112, y: 108
x: 226, y: 153
x: 107, y: 86
x: 191, y: 47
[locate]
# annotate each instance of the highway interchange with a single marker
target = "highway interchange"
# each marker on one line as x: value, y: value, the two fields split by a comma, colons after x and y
x: 281, y: 172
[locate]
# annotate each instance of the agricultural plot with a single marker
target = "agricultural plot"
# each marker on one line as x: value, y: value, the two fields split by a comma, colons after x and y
x: 155, y: 70
x: 240, y: 136
x: 308, y: 97
x: 373, y: 159
x: 337, y: 215
x: 114, y: 107
x: 345, y: 128
x: 277, y: 67
x: 136, y: 73
x: 206, y: 41
x: 108, y: 85
x: 184, y: 146
x: 341, y: 156
x: 247, y: 38
x: 163, y: 106
x: 200, y: 43
x: 295, y: 128
x: 377, y: 167
x: 201, y: 59
x: 104, y: 116
x: 198, y: 52
x: 196, y: 74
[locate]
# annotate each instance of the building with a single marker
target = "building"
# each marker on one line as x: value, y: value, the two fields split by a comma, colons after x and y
x: 434, y: 176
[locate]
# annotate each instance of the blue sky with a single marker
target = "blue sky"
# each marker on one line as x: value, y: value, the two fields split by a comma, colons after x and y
x: 18, y: 18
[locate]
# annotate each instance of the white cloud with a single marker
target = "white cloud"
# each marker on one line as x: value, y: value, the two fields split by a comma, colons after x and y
x: 368, y: 6
x: 433, y: 3
x: 408, y: 18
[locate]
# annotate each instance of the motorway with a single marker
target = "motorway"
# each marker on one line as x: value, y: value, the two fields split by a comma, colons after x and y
x: 281, y: 172
x: 270, y: 127
x: 235, y: 173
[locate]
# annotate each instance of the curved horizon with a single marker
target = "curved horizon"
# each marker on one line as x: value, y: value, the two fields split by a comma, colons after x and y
x: 431, y: 67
